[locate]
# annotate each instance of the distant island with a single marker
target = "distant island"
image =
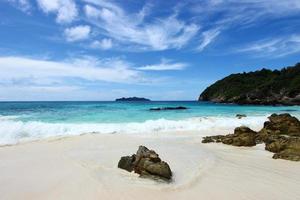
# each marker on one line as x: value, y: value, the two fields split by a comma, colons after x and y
x: 263, y: 87
x: 133, y: 99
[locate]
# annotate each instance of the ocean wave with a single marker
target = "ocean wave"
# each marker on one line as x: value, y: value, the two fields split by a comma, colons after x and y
x: 13, y: 131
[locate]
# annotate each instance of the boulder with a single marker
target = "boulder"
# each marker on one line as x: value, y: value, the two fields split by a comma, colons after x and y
x: 287, y: 148
x: 242, y: 136
x: 126, y: 163
x: 282, y: 124
x: 146, y: 163
x: 281, y: 135
x: 169, y: 108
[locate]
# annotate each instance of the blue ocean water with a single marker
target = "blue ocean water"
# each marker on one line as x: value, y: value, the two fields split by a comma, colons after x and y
x: 120, y: 112
x: 31, y: 120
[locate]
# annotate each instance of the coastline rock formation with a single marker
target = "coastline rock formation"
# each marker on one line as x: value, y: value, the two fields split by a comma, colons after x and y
x: 168, y: 108
x: 146, y: 163
x: 133, y: 99
x: 243, y: 136
x: 281, y: 135
x: 264, y: 87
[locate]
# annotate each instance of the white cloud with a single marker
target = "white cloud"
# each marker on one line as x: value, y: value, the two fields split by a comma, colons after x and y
x: 104, y: 44
x: 40, y: 72
x: 157, y: 34
x: 207, y: 38
x: 77, y: 33
x: 65, y: 10
x: 276, y: 47
x: 246, y: 11
x: 164, y: 65
x: 23, y: 5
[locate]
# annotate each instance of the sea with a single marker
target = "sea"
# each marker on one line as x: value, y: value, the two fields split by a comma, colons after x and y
x: 26, y: 121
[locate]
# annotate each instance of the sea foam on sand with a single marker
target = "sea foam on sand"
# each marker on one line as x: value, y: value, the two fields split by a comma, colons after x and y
x: 13, y: 131
x: 85, y: 167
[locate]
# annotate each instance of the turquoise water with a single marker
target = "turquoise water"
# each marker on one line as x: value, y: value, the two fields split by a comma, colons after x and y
x: 21, y: 121
x: 119, y: 112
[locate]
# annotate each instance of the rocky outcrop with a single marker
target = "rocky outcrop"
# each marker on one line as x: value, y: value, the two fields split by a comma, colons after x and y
x: 243, y: 136
x: 146, y: 163
x: 264, y: 87
x: 287, y: 148
x: 281, y: 135
x: 283, y: 124
x: 169, y: 108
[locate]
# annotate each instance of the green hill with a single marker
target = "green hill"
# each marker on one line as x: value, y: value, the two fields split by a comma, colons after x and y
x: 264, y: 87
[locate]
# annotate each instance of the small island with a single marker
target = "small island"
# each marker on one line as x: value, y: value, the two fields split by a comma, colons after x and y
x: 133, y: 99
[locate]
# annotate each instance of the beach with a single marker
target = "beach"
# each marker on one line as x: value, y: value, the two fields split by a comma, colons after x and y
x: 85, y: 167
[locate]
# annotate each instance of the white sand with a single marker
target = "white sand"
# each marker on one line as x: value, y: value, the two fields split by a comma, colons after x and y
x: 85, y: 167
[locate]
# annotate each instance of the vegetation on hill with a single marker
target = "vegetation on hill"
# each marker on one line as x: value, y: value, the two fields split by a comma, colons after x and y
x: 259, y: 87
x: 133, y: 99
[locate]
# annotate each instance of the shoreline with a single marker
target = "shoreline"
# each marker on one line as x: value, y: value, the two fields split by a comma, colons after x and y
x: 17, y: 131
x: 85, y: 167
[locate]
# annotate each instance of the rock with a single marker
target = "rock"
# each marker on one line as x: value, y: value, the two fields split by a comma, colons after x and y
x: 168, y: 108
x: 281, y: 135
x: 240, y: 116
x: 288, y: 154
x: 146, y: 163
x: 207, y: 139
x: 282, y: 124
x: 275, y: 144
x: 126, y: 163
x: 287, y: 148
x: 215, y: 138
x: 243, y: 136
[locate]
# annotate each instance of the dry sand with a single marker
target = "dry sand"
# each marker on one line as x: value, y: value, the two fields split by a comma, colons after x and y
x: 85, y: 167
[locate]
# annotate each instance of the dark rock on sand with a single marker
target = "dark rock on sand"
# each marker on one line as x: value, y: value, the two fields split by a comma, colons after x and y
x: 281, y: 135
x: 168, y: 108
x: 243, y: 136
x: 126, y: 162
x: 287, y: 148
x: 146, y: 163
x: 282, y: 124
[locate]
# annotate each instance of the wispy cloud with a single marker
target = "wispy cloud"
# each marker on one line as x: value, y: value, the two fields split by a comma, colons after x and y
x: 103, y: 44
x: 207, y: 38
x: 37, y: 71
x: 145, y: 29
x: 23, y: 5
x: 159, y: 34
x: 66, y: 10
x: 236, y: 12
x: 275, y: 47
x: 77, y: 33
x: 164, y: 65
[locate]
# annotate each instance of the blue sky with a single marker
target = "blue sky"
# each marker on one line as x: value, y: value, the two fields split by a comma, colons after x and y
x: 163, y: 50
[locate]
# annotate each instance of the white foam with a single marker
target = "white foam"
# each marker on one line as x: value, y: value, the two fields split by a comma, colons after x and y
x: 12, y: 131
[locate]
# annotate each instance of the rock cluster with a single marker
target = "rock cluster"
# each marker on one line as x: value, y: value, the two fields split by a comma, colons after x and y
x: 242, y: 136
x: 169, y: 108
x: 281, y: 135
x: 146, y: 163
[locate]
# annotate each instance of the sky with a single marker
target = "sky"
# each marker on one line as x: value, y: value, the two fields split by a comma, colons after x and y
x: 162, y: 50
